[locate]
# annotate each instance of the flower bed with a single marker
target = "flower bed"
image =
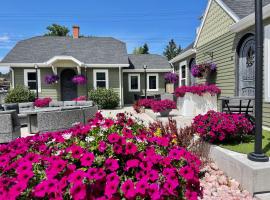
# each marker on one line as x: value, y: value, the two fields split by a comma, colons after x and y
x: 197, y: 89
x: 216, y: 127
x: 106, y: 159
x: 42, y: 102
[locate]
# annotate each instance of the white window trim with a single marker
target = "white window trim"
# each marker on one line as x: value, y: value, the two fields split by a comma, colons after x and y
x: 95, y: 71
x: 26, y: 71
x: 12, y: 78
x: 157, y: 81
x: 180, y: 73
x: 129, y: 83
x: 267, y: 62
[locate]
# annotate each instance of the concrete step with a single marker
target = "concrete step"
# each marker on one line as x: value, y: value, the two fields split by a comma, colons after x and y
x: 264, y: 196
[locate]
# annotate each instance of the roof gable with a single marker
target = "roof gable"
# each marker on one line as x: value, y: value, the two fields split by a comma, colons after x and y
x: 242, y: 8
x: 216, y: 22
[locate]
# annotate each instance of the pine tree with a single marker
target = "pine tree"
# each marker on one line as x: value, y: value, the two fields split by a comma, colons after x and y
x: 141, y: 50
x: 172, y: 50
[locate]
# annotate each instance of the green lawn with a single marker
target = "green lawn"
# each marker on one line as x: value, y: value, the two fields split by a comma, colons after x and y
x: 248, y: 147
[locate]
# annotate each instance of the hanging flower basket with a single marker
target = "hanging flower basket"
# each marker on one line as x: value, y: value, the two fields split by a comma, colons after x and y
x: 203, y: 70
x: 79, y: 80
x: 51, y: 79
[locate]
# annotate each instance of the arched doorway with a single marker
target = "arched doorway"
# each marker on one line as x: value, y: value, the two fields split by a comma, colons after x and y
x: 68, y: 88
x: 192, y: 79
x: 246, y: 67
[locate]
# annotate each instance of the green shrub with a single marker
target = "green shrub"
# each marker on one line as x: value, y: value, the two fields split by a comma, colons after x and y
x: 20, y: 94
x: 104, y: 98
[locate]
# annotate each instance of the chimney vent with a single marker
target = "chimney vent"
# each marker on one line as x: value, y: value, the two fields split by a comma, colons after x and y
x: 76, y: 31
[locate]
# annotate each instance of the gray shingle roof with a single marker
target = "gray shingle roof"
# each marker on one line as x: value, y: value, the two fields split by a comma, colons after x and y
x: 190, y: 46
x: 152, y: 61
x: 243, y: 8
x: 89, y: 50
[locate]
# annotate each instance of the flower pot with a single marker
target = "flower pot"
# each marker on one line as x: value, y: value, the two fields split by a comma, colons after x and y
x: 170, y: 88
x: 165, y: 113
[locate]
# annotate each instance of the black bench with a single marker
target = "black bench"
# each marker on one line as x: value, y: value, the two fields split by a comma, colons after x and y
x: 241, y: 105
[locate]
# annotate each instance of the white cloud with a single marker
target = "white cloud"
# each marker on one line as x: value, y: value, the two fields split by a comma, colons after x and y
x: 4, y: 38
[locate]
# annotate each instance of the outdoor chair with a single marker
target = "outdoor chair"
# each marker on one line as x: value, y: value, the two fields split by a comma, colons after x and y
x: 58, y: 120
x: 10, y: 127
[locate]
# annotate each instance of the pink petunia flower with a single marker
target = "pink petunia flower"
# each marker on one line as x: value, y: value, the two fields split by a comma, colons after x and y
x: 102, y: 146
x: 78, y: 191
x: 77, y: 176
x: 114, y: 138
x: 87, y: 159
x: 133, y: 163
x: 113, y: 177
x: 117, y: 149
x: 108, y: 123
x: 110, y: 189
x: 142, y: 186
x: 131, y: 148
x: 153, y: 175
x: 111, y: 164
x: 128, y: 189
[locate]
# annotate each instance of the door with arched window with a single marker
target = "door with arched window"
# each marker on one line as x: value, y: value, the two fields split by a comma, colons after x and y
x: 192, y: 79
x: 246, y: 73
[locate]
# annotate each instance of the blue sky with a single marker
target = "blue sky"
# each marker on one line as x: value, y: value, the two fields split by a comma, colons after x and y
x: 134, y: 22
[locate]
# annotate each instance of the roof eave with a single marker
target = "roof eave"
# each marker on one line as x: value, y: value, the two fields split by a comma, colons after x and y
x: 249, y: 20
x: 183, y: 55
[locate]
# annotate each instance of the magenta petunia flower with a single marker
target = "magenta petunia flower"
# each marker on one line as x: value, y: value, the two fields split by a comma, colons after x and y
x: 87, y: 159
x: 77, y: 176
x: 187, y: 173
x: 114, y: 137
x: 78, y: 191
x: 24, y: 166
x: 100, y: 174
x: 91, y: 173
x: 40, y: 189
x: 153, y: 175
x: 113, y: 177
x: 131, y: 148
x: 128, y: 189
x: 108, y: 123
x: 142, y: 186
x: 16, y: 190
x: 76, y: 151
x: 153, y: 191
x: 102, y: 146
x: 25, y: 175
x: 111, y: 164
x: 133, y: 163
x: 117, y: 149
x: 127, y: 133
x: 110, y: 189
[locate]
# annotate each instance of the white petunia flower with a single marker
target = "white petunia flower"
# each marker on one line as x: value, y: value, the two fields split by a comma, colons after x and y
x: 89, y: 139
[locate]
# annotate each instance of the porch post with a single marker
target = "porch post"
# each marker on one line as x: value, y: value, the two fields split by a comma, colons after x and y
x: 120, y: 87
x: 258, y: 155
x: 36, y: 68
x: 86, y: 85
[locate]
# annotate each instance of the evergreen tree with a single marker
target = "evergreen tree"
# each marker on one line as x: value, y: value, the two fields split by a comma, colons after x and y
x: 141, y: 50
x: 172, y: 50
x: 57, y: 30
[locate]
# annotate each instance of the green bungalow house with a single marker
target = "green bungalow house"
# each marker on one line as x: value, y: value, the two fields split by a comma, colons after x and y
x: 226, y: 37
x: 103, y: 60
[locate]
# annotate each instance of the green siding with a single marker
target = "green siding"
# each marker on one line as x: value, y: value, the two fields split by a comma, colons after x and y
x: 216, y: 24
x: 129, y: 96
x: 224, y: 46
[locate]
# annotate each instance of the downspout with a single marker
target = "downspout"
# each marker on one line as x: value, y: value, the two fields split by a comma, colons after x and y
x: 120, y: 87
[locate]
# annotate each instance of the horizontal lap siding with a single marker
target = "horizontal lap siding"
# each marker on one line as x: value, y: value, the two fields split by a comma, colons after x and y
x: 129, y: 96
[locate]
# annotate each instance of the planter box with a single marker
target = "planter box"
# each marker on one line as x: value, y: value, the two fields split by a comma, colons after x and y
x: 192, y: 105
x: 165, y: 113
x: 170, y: 88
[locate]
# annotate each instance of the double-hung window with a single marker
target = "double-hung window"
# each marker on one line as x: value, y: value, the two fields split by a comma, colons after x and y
x: 31, y: 79
x: 134, y: 82
x: 101, y: 79
x: 183, y: 75
x: 152, y: 82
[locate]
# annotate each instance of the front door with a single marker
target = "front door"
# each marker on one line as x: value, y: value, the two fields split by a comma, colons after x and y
x: 246, y: 74
x: 68, y: 88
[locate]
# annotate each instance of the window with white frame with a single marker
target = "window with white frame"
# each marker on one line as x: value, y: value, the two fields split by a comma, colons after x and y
x: 182, y: 75
x: 134, y: 82
x: 101, y: 79
x: 267, y: 62
x: 31, y: 79
x: 152, y: 82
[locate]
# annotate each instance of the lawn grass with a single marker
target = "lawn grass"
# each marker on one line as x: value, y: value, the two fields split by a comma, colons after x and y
x: 248, y: 147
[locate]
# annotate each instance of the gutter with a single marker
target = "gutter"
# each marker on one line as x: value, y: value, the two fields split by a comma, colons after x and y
x: 249, y: 20
x: 183, y: 55
x: 49, y: 65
